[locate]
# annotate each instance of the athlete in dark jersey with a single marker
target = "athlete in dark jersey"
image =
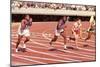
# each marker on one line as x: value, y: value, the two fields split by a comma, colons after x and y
x: 60, y: 30
x: 23, y: 30
x: 91, y: 29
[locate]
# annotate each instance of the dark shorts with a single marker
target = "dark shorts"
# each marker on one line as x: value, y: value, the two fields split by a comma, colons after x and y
x: 91, y: 30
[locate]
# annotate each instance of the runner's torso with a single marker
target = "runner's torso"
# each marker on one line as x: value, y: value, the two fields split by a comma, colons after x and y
x: 60, y: 24
x: 77, y: 28
x: 27, y: 24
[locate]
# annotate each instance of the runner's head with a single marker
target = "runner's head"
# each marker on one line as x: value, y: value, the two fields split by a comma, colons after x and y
x: 79, y: 20
x: 91, y: 19
x: 76, y: 24
x: 65, y: 18
x: 27, y: 17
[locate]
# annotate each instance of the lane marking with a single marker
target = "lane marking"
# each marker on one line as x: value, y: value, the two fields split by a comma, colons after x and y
x: 64, y: 51
x: 40, y: 43
x: 28, y: 59
x: 48, y: 59
x: 62, y: 43
x: 50, y: 54
x: 49, y: 34
x: 45, y: 47
x: 88, y: 53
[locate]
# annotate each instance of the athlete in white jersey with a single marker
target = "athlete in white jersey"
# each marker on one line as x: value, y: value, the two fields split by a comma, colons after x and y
x: 24, y: 30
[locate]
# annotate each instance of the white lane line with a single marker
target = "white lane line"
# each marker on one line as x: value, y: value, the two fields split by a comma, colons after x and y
x: 89, y: 56
x: 42, y: 58
x: 78, y: 48
x: 42, y: 45
x: 45, y: 47
x: 14, y: 35
x: 62, y: 43
x: 88, y: 53
x: 15, y: 63
x: 38, y: 34
x: 28, y: 59
x: 54, y: 55
x: 57, y: 42
x: 39, y: 37
x: 50, y: 54
x: 47, y: 41
x: 45, y: 35
x: 49, y: 35
x: 35, y: 33
x: 35, y: 37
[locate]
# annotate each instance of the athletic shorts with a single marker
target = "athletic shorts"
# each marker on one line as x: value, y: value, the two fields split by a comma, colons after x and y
x: 25, y: 32
x: 76, y: 36
x: 58, y: 32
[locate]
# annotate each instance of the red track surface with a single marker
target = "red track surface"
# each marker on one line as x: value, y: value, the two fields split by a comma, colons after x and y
x: 38, y: 48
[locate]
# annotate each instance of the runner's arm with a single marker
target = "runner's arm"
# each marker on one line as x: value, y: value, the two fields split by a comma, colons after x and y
x: 23, y: 24
x: 30, y: 24
x: 60, y: 24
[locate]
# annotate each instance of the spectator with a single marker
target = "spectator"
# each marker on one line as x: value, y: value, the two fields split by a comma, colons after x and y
x: 29, y: 4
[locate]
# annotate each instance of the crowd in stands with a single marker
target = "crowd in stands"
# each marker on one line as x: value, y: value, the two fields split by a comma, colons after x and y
x: 55, y: 6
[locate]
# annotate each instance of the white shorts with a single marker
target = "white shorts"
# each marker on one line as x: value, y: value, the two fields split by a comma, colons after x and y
x: 58, y: 32
x: 25, y: 32
x: 76, y: 36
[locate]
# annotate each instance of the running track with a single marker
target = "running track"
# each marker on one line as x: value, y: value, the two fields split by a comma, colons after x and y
x: 38, y: 47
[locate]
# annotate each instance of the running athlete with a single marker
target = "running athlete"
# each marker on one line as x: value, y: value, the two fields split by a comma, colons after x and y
x: 23, y: 30
x: 91, y: 29
x: 60, y: 30
x: 76, y: 31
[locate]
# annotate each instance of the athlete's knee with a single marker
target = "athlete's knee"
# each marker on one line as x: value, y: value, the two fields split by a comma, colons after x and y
x: 27, y: 39
x: 55, y: 38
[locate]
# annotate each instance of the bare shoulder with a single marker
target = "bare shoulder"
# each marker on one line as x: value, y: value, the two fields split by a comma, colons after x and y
x: 23, y: 21
x: 31, y: 19
x: 60, y: 21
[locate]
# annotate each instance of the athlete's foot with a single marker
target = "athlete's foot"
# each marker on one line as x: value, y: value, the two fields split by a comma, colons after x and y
x: 65, y: 47
x: 52, y: 48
